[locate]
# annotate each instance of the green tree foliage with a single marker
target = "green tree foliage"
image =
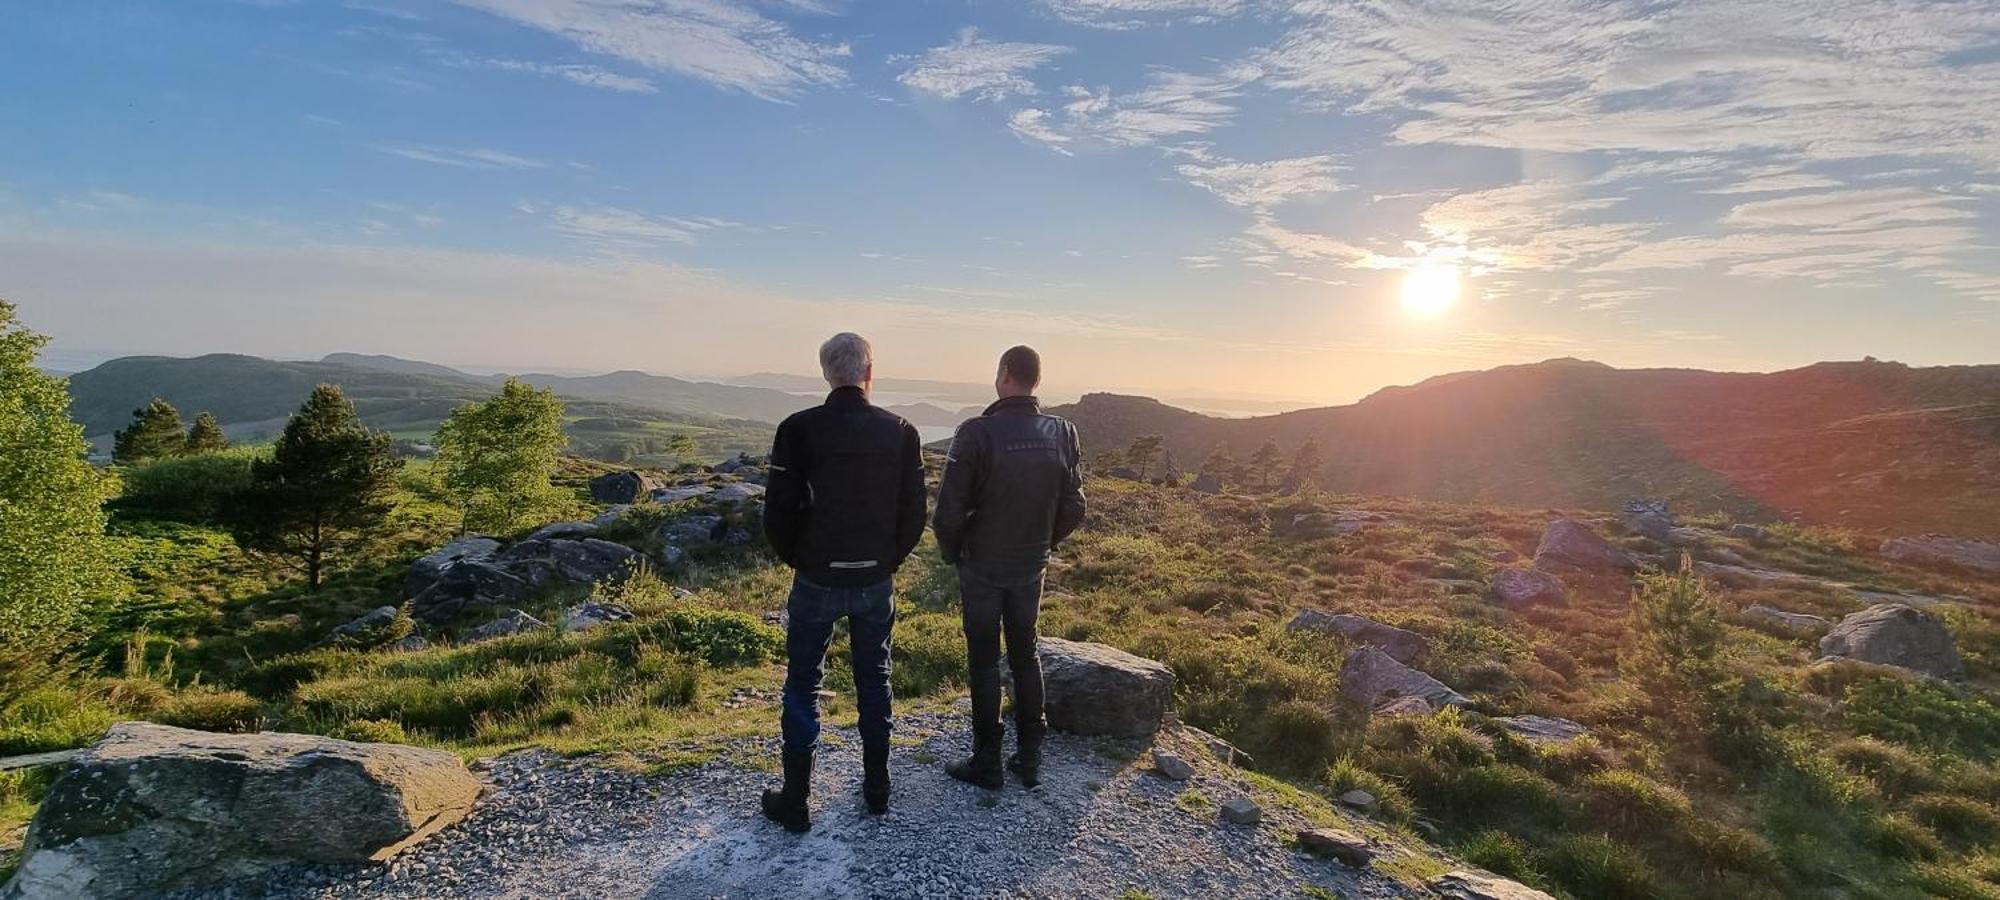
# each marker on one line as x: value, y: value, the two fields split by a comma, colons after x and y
x: 1677, y: 631
x: 55, y: 562
x: 681, y: 446
x: 200, y: 488
x: 495, y: 457
x: 156, y: 432
x: 205, y: 436
x: 325, y: 486
x: 1144, y: 453
x: 1306, y: 464
x: 1264, y: 464
x: 1221, y: 466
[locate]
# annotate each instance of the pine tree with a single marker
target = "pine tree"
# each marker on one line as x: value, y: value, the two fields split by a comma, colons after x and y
x: 205, y: 436
x: 495, y: 457
x: 1264, y: 464
x: 55, y: 562
x: 1221, y: 466
x: 326, y: 485
x: 156, y: 432
x: 1306, y: 464
x: 1143, y: 453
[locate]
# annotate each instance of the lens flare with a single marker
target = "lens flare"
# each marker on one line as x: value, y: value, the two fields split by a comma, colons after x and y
x: 1430, y: 291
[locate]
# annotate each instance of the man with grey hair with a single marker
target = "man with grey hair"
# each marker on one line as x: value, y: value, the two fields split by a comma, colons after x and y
x: 844, y: 508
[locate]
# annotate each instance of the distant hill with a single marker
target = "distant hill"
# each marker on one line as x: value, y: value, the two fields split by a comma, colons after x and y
x: 1871, y: 445
x: 381, y: 363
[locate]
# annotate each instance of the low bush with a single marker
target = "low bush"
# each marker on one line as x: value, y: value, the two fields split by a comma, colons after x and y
x: 929, y: 655
x: 1599, y: 867
x: 1901, y: 837
x: 1502, y: 854
x: 1961, y: 821
x: 1627, y: 803
x: 1924, y: 714
x: 197, y: 489
x: 719, y: 637
x: 1896, y: 771
x: 1294, y: 737
x: 212, y: 710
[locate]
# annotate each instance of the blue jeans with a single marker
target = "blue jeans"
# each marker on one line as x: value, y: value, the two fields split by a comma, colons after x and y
x: 813, y: 610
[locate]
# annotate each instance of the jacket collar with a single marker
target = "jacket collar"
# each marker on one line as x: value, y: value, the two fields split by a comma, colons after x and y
x: 847, y: 396
x: 1022, y: 404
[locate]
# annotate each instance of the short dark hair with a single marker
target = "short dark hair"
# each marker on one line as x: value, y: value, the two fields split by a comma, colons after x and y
x: 1023, y: 365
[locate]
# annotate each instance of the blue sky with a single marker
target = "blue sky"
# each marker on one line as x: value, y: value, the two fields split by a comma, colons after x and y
x: 1217, y: 197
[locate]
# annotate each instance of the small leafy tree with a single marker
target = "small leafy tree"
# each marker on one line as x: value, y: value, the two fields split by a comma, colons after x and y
x: 205, y: 436
x: 1677, y: 631
x: 495, y: 457
x: 681, y: 446
x: 325, y: 486
x: 55, y: 562
x: 1221, y: 466
x: 156, y: 432
x: 1264, y: 464
x: 1144, y: 453
x: 1306, y: 464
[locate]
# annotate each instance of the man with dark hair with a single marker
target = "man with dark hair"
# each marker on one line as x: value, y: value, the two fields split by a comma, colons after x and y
x: 844, y: 508
x: 1011, y: 492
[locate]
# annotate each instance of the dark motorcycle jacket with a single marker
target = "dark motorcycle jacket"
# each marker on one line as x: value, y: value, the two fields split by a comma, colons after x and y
x: 1012, y: 490
x: 845, y: 502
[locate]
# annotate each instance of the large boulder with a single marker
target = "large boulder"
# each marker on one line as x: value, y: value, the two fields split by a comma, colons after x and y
x: 429, y: 568
x: 151, y: 809
x: 1095, y: 689
x: 628, y: 486
x: 1648, y: 518
x: 1402, y: 645
x: 695, y: 531
x: 1476, y: 885
x: 1893, y: 634
x: 1522, y: 588
x: 1369, y: 677
x: 1931, y: 549
x: 590, y: 560
x: 476, y: 583
x: 1571, y: 546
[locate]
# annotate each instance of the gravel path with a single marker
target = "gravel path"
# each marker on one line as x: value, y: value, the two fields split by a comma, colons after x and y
x: 1099, y: 826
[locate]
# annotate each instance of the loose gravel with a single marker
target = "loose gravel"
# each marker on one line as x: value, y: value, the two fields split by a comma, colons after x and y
x: 1100, y: 825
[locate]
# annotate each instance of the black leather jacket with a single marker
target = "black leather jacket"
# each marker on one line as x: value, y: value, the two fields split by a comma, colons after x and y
x: 845, y: 503
x: 1011, y: 490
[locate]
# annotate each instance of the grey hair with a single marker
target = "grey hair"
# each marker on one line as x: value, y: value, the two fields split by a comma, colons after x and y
x: 844, y: 359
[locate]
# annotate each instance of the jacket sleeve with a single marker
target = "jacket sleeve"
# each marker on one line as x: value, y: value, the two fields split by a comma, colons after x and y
x: 910, y: 505
x: 1070, y: 507
x: 963, y: 467
x: 787, y: 495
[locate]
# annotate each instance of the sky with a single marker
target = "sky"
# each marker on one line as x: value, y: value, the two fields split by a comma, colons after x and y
x: 1302, y: 200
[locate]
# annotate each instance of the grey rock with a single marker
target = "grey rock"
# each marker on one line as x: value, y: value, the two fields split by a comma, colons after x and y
x: 1171, y: 766
x: 1792, y: 620
x: 591, y: 560
x: 1403, y: 645
x: 621, y: 487
x: 151, y: 809
x: 473, y: 583
x: 1748, y: 577
x: 562, y: 530
x: 410, y: 642
x: 610, y: 515
x: 1346, y: 846
x: 1095, y: 689
x: 1648, y: 518
x: 1751, y: 533
x: 1522, y: 588
x: 1369, y: 676
x: 737, y: 492
x: 665, y: 496
x: 670, y: 556
x: 1476, y: 885
x: 1358, y: 799
x: 1312, y: 526
x: 430, y: 567
x: 1405, y: 706
x: 1241, y: 810
x: 1893, y: 634
x: 1571, y: 546
x: 695, y: 531
x: 1934, y: 549
x: 591, y: 613
x: 514, y: 622
x: 1687, y: 537
x: 369, y: 625
x: 1543, y: 729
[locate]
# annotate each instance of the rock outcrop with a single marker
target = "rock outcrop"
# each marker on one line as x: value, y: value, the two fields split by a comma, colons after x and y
x: 1648, y: 518
x: 1095, y: 689
x: 1789, y: 620
x: 1543, y: 729
x: 474, y: 573
x: 1933, y: 549
x: 1892, y: 634
x: 629, y: 486
x: 1312, y: 526
x: 513, y: 623
x: 1370, y: 676
x: 1571, y: 546
x: 1473, y: 885
x: 1522, y: 588
x: 1401, y: 644
x: 151, y: 809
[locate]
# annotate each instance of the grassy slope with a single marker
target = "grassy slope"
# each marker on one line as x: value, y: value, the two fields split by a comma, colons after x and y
x: 1776, y: 788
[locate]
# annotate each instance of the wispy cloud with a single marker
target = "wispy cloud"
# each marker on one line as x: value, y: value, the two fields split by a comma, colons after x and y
x: 1122, y: 14
x: 460, y: 157
x: 1172, y: 104
x: 987, y: 70
x: 727, y: 43
x: 576, y: 73
x: 611, y: 227
x: 1261, y: 185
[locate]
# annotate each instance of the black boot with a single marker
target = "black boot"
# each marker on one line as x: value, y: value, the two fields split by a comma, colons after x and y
x: 982, y: 768
x: 1026, y: 763
x: 875, y: 776
x: 788, y: 807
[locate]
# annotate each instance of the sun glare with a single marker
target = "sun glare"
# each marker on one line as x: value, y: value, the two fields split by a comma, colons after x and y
x: 1429, y: 291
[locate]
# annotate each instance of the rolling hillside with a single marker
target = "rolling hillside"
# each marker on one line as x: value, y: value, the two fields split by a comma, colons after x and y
x: 1871, y: 445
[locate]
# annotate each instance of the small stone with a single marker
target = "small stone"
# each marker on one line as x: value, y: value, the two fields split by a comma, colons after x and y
x: 1345, y: 846
x: 1242, y: 811
x: 1171, y: 766
x: 1359, y: 799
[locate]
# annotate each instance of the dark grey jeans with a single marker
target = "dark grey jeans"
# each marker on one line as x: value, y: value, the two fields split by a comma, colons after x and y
x: 993, y: 607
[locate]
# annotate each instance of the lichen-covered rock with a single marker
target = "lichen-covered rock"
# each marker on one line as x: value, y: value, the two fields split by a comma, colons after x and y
x: 1932, y: 549
x: 1346, y: 846
x: 1370, y: 676
x: 1522, y: 588
x: 621, y: 487
x: 1571, y: 546
x: 151, y: 809
x: 1543, y: 729
x: 1893, y: 634
x: 1404, y: 645
x: 1095, y: 689
x: 1473, y: 885
x: 513, y: 623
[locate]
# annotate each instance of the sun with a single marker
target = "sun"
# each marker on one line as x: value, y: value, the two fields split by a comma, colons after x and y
x: 1430, y: 290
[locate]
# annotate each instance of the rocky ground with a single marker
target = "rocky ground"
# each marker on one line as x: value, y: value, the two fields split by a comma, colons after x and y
x: 1102, y: 824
